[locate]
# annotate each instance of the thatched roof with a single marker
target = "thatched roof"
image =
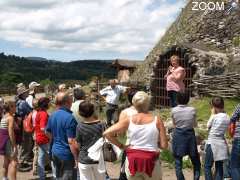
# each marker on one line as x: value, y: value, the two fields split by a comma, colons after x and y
x: 126, y: 63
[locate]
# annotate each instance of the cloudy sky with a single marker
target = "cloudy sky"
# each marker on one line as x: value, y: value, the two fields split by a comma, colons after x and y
x: 84, y: 29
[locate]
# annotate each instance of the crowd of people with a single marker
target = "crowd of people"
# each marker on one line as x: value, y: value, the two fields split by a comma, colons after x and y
x: 32, y: 137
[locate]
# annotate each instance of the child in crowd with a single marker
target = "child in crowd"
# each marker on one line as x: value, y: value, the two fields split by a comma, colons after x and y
x: 184, y: 140
x: 216, y: 146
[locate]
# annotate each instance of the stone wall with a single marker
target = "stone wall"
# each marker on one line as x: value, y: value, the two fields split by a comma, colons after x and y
x: 213, y: 36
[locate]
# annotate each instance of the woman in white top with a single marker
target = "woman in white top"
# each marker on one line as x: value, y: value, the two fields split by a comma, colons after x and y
x: 146, y: 134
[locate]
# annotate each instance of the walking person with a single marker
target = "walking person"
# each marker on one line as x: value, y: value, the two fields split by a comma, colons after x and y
x: 112, y: 94
x: 216, y: 146
x: 184, y: 139
x: 146, y: 135
x: 26, y: 144
x: 235, y: 154
x: 175, y: 77
x: 8, y: 146
x: 61, y: 129
x: 42, y: 139
x: 88, y: 133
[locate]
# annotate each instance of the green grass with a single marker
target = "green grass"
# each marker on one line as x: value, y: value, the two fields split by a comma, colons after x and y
x: 203, y: 108
x: 203, y: 113
x: 167, y: 156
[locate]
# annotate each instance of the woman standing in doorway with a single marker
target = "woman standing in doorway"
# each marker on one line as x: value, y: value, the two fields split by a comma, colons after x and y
x: 175, y: 76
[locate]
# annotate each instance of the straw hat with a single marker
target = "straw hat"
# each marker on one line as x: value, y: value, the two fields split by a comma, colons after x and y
x: 20, y: 85
x: 21, y: 90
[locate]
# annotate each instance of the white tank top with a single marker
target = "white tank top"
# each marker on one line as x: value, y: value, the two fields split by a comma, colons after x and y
x: 144, y: 136
x: 4, y: 123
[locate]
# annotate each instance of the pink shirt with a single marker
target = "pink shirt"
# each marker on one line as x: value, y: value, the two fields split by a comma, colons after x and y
x: 174, y: 84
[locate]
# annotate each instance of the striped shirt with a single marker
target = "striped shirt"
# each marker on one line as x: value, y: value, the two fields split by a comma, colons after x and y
x: 184, y: 116
x: 218, y: 125
x: 4, y: 123
x: 86, y: 136
x: 235, y: 119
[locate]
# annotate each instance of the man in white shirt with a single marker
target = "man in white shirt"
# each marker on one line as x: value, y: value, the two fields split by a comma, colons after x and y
x: 112, y: 94
x: 32, y: 87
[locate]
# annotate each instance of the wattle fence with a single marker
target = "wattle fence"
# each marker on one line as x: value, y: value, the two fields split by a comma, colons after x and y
x: 227, y: 85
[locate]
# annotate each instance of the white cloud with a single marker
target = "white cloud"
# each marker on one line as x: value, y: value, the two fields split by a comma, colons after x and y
x: 123, y: 26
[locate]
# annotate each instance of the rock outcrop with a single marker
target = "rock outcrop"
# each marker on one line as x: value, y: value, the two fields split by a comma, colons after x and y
x: 213, y: 37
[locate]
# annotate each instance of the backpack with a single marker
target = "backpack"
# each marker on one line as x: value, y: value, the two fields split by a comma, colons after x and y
x: 28, y: 124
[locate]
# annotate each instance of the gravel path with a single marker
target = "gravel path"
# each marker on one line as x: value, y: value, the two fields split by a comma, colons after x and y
x: 113, y: 171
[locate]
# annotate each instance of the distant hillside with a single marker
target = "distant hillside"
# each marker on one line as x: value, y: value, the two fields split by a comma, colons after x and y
x: 16, y: 69
x: 36, y: 58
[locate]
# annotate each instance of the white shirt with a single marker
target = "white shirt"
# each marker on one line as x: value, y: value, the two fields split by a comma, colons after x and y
x: 112, y: 95
x: 75, y: 110
x: 144, y: 136
x: 218, y: 125
x: 29, y: 100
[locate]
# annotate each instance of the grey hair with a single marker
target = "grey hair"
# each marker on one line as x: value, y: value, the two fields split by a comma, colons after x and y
x: 141, y: 101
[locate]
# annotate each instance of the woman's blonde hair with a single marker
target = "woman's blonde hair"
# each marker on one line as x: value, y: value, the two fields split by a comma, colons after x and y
x: 141, y: 101
x: 175, y: 58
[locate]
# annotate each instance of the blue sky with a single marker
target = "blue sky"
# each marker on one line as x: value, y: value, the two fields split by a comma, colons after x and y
x: 84, y: 29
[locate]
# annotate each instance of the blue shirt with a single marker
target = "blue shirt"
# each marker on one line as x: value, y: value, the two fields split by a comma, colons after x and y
x: 62, y: 125
x: 235, y: 119
x: 22, y: 108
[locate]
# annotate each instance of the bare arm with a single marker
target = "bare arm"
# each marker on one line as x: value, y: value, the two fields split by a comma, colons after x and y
x: 73, y: 147
x: 180, y: 75
x: 209, y: 123
x: 11, y: 131
x: 118, y: 128
x: 162, y: 134
x: 174, y: 122
x: 122, y: 116
x: 168, y: 72
x: 49, y: 135
x: 195, y: 125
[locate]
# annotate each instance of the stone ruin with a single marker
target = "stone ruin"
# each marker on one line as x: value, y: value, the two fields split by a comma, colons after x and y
x: 211, y: 37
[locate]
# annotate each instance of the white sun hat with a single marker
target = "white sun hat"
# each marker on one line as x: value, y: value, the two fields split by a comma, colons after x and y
x: 32, y: 86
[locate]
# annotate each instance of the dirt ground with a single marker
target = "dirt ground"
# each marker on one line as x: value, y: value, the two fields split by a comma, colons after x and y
x: 113, y: 171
